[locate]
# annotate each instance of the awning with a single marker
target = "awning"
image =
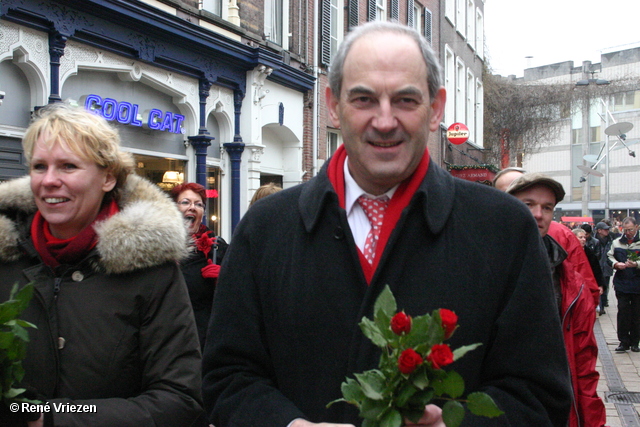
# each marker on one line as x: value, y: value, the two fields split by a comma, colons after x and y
x: 577, y: 219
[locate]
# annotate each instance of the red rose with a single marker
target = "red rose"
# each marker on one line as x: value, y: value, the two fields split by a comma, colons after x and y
x: 449, y: 322
x: 204, y: 243
x: 408, y: 361
x: 401, y: 323
x: 440, y: 356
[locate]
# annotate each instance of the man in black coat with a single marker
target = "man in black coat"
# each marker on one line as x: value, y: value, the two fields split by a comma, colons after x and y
x: 301, y: 271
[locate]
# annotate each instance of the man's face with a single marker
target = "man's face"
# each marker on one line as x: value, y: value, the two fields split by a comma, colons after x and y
x: 602, y: 232
x: 629, y: 230
x: 384, y: 110
x: 541, y: 202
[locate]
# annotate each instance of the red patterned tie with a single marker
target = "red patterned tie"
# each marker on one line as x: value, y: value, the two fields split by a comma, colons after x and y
x: 374, y: 209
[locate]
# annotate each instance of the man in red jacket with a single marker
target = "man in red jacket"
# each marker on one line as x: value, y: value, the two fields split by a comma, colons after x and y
x: 575, y: 300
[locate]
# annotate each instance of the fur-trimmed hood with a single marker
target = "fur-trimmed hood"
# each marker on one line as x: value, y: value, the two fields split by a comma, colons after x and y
x: 149, y: 230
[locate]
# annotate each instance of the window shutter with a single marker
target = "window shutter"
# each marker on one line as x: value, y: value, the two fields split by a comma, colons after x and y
x: 353, y: 13
x: 395, y: 10
x: 325, y: 35
x: 371, y: 12
x: 410, y: 11
x: 427, y: 25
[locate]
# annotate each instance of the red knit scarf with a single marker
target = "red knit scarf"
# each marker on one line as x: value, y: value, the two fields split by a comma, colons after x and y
x: 398, y: 202
x: 54, y: 251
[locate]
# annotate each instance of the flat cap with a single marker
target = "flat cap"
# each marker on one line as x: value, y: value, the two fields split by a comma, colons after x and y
x: 528, y: 180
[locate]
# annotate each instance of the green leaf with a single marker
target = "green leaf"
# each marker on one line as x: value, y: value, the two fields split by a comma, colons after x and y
x: 461, y: 351
x: 373, y: 409
x: 386, y: 302
x: 13, y: 392
x: 373, y: 383
x: 452, y: 413
x: 482, y: 404
x: 391, y: 418
x: 351, y: 391
x: 371, y: 331
x: 406, y: 391
x: 449, y: 383
x: 420, y: 378
x: 421, y: 399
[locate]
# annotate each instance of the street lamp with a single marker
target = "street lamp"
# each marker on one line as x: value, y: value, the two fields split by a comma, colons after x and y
x: 585, y: 142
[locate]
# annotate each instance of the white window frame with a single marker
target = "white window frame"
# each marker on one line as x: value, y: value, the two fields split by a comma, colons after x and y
x: 460, y: 95
x: 470, y: 34
x: 449, y: 84
x: 418, y: 18
x: 210, y: 6
x: 334, y: 140
x: 479, y: 37
x: 450, y: 11
x: 381, y: 10
x: 479, y: 139
x: 271, y: 14
x: 461, y: 12
x: 336, y: 33
x: 471, y: 104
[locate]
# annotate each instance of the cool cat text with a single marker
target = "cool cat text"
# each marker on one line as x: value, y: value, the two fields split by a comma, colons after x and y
x: 127, y: 113
x: 57, y: 407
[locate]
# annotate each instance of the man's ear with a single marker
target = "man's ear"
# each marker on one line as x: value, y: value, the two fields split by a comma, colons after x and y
x: 332, y: 104
x: 437, y: 109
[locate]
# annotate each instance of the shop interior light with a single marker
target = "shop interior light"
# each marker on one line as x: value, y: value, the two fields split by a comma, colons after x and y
x: 172, y: 177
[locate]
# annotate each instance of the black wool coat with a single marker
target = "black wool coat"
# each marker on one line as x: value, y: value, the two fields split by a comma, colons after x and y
x: 285, y: 335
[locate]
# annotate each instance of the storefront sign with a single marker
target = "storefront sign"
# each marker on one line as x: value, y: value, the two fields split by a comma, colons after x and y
x: 127, y: 113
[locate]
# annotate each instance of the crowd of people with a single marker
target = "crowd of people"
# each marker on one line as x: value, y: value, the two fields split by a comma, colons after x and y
x: 143, y: 313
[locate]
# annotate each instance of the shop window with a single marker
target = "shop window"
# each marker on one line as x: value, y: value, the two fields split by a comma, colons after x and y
x: 165, y: 173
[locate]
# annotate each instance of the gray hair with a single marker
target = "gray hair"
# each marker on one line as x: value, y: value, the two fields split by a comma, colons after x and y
x: 434, y: 78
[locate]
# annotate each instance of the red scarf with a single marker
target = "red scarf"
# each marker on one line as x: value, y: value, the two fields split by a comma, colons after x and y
x: 398, y: 202
x: 54, y: 251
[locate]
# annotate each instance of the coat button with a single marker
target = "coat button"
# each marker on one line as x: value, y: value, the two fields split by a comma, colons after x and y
x: 61, y: 342
x: 77, y: 276
x: 338, y: 233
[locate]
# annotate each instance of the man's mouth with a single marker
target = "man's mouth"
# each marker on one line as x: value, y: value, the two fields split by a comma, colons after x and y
x: 55, y: 200
x: 385, y: 144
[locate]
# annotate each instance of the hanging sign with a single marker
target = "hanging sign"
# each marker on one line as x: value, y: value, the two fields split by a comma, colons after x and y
x: 458, y: 133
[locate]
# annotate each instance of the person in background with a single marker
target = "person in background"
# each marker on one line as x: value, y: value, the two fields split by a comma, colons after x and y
x: 202, y: 266
x: 506, y: 176
x: 591, y: 241
x: 562, y: 235
x: 623, y: 256
x: 541, y: 194
x: 101, y: 246
x: 605, y: 239
x: 594, y: 261
x: 291, y: 292
x: 264, y: 191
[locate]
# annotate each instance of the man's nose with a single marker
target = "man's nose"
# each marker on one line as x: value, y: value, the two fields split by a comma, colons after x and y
x: 385, y: 119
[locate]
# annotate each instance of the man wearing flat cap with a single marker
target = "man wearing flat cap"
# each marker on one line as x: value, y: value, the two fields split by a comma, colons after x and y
x: 541, y: 194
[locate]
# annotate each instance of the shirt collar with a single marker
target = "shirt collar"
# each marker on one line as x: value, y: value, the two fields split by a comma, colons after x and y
x: 352, y: 190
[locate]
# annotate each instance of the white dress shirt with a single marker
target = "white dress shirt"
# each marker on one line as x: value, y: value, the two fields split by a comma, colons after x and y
x: 358, y: 221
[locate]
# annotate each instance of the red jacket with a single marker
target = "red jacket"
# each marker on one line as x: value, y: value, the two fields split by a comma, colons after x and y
x: 578, y: 317
x: 577, y: 257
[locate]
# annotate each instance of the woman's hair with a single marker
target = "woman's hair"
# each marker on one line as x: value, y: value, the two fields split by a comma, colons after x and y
x: 264, y: 191
x: 193, y: 186
x: 578, y: 231
x: 85, y: 134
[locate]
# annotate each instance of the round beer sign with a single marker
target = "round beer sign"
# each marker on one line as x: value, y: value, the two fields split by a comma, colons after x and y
x: 458, y: 133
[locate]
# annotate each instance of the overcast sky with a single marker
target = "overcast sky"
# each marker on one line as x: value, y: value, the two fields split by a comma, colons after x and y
x: 552, y: 31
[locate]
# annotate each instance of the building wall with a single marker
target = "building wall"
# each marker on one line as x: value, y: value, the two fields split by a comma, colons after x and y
x: 622, y: 70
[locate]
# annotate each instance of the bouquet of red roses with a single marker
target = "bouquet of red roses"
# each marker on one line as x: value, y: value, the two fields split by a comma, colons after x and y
x: 410, y: 373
